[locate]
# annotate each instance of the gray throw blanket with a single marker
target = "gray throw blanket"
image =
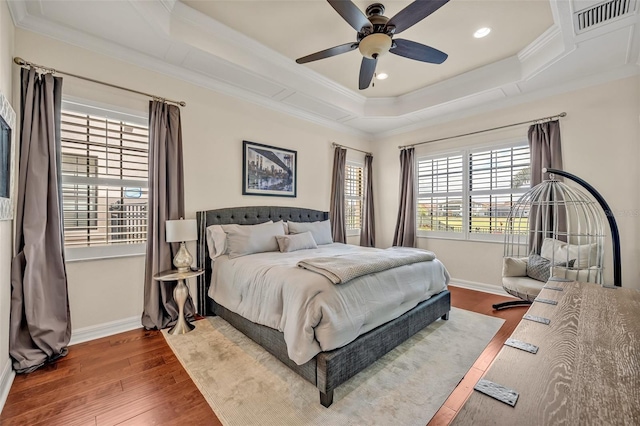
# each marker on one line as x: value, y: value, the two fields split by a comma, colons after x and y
x: 340, y: 269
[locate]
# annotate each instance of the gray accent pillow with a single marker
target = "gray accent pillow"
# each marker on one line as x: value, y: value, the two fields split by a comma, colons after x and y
x: 294, y: 242
x: 539, y: 267
x: 321, y: 231
x: 248, y: 239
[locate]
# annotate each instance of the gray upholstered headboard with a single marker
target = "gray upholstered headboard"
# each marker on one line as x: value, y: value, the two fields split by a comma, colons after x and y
x: 242, y: 216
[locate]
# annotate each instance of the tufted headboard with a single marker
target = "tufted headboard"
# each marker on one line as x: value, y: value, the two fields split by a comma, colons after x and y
x: 242, y: 216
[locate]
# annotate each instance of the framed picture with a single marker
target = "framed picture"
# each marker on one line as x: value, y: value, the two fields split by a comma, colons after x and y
x: 267, y: 170
x: 7, y: 155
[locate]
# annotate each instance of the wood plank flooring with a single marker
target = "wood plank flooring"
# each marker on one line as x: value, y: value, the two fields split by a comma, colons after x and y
x: 134, y: 378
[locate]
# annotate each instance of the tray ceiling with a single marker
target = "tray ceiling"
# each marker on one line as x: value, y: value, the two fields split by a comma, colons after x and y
x: 248, y: 49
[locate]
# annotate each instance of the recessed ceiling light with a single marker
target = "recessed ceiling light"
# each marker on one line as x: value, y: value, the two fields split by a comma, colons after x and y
x: 382, y: 75
x: 482, y: 32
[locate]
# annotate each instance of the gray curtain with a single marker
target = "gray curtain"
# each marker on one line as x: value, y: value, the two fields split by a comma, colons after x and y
x: 336, y: 209
x: 166, y: 202
x: 546, y: 152
x: 368, y: 231
x: 544, y: 144
x: 40, y: 325
x: 405, y: 234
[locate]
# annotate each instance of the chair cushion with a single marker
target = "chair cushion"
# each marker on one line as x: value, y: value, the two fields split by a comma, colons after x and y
x: 522, y: 287
x: 514, y: 266
x: 585, y: 255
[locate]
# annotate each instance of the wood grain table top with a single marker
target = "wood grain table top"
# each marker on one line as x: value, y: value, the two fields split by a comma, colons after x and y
x: 587, y: 368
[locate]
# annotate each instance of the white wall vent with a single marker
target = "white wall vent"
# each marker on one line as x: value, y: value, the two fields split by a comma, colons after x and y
x: 602, y: 13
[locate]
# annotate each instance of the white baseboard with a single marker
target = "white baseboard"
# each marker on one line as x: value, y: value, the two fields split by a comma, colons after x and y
x: 472, y: 285
x: 85, y: 334
x: 6, y: 379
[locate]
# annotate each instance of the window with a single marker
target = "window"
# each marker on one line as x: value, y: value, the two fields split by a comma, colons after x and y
x: 353, y: 194
x: 469, y: 194
x: 104, y: 178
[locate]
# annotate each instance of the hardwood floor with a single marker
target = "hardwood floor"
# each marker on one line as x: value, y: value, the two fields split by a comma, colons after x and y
x: 133, y: 378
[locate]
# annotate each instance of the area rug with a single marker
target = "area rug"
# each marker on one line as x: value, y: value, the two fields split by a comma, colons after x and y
x: 245, y: 385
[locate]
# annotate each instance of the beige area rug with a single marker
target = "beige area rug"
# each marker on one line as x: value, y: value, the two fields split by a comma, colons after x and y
x: 245, y: 385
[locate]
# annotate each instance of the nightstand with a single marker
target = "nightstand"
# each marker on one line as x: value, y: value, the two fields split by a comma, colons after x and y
x: 180, y: 294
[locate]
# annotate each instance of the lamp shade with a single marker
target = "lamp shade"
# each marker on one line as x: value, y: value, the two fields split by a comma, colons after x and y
x: 181, y: 230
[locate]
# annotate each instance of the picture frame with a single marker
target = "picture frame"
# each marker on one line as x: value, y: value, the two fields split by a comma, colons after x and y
x: 268, y: 170
x: 7, y: 158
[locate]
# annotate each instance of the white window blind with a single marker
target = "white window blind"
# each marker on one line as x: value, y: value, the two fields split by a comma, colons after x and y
x: 104, y: 180
x: 353, y: 194
x: 469, y: 194
x: 440, y: 196
x: 497, y: 178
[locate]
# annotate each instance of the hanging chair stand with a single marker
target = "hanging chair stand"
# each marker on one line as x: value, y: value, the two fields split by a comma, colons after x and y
x: 575, y: 232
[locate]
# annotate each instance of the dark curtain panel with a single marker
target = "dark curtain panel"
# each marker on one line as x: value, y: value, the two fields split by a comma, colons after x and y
x: 368, y: 230
x: 336, y: 209
x: 405, y: 234
x: 544, y: 144
x: 166, y: 202
x: 40, y: 326
x: 546, y: 152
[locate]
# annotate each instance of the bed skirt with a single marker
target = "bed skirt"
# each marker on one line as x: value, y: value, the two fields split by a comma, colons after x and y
x: 327, y: 370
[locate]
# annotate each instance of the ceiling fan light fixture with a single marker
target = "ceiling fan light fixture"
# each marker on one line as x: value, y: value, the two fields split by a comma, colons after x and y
x: 482, y: 32
x: 374, y: 45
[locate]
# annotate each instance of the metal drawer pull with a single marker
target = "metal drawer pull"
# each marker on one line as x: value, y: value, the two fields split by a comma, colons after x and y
x: 519, y: 344
x: 535, y: 318
x: 499, y: 392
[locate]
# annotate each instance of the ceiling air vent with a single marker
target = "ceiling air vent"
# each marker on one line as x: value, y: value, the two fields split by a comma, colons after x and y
x: 601, y: 13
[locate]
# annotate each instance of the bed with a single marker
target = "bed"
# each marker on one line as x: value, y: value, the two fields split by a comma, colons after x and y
x: 328, y: 368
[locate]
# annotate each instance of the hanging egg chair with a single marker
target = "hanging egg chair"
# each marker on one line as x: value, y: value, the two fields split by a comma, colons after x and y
x: 554, y: 232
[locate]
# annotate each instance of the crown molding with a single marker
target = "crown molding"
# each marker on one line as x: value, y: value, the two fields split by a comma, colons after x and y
x: 219, y: 58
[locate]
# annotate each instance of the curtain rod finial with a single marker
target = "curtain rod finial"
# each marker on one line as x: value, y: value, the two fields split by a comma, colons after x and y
x: 19, y: 61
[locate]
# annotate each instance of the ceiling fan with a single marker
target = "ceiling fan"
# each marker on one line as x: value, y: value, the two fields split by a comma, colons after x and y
x: 375, y: 35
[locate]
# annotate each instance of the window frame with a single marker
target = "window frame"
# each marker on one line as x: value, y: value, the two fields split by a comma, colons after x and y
x: 353, y: 231
x: 466, y: 234
x: 138, y: 117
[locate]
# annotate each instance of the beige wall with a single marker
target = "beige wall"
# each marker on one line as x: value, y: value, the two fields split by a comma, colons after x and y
x: 213, y: 128
x: 600, y: 139
x: 6, y: 57
x: 600, y: 142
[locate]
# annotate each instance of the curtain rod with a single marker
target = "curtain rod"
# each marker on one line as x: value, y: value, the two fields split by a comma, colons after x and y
x: 537, y: 120
x: 24, y: 63
x: 333, y: 144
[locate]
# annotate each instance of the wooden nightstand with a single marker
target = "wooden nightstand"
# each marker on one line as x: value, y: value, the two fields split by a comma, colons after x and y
x: 180, y: 294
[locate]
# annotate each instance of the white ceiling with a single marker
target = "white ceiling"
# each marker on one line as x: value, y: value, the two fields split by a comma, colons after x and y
x: 298, y: 28
x: 248, y: 49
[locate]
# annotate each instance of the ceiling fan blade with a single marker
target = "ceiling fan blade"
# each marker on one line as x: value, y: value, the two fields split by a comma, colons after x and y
x: 351, y: 14
x: 367, y: 68
x: 419, y: 52
x: 333, y: 51
x: 414, y: 13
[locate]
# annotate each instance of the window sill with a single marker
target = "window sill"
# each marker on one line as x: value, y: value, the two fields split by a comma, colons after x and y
x: 472, y: 240
x: 79, y: 254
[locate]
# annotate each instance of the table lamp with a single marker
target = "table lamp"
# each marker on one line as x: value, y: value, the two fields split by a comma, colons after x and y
x: 180, y: 231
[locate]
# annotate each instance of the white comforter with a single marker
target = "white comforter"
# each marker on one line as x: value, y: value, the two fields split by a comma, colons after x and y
x: 313, y: 313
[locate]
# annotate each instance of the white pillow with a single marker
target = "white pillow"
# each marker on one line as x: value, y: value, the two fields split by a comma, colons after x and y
x: 294, y: 242
x: 321, y: 231
x: 248, y: 239
x: 284, y: 226
x: 586, y: 255
x: 216, y: 241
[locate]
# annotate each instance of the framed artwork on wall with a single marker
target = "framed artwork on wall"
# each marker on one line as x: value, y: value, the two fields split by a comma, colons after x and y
x: 268, y: 170
x: 7, y: 155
